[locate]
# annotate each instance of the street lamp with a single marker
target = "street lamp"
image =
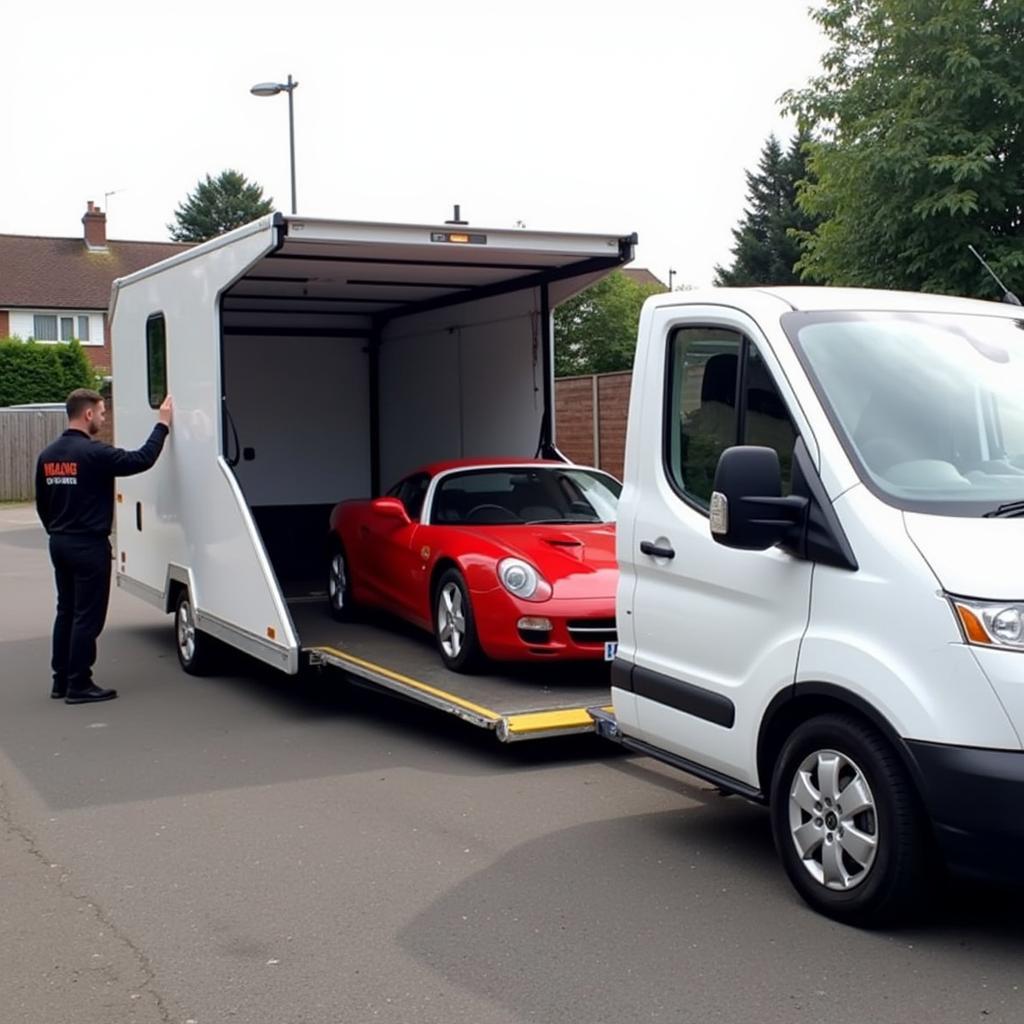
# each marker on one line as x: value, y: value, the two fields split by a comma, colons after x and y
x: 272, y: 89
x: 671, y: 274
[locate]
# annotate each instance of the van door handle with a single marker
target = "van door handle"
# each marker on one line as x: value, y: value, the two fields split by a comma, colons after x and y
x: 648, y: 547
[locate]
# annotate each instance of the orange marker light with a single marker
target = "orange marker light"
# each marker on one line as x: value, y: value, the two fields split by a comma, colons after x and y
x: 972, y: 627
x: 458, y: 238
x: 271, y: 632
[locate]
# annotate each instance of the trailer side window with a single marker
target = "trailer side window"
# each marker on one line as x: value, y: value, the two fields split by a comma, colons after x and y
x: 156, y: 359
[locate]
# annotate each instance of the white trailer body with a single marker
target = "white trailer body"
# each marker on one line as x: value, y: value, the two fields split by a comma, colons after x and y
x: 312, y: 361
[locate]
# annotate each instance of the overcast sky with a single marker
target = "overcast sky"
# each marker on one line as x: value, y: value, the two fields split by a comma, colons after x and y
x: 582, y: 115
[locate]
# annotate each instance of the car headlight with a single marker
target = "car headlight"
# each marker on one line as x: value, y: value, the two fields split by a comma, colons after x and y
x: 521, y: 579
x: 991, y: 623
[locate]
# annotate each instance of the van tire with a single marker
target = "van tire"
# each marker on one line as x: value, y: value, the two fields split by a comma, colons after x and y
x: 196, y: 650
x: 453, y: 614
x: 864, y: 868
x: 339, y: 585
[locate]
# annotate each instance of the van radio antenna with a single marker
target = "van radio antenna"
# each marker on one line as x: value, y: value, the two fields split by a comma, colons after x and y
x: 1008, y: 296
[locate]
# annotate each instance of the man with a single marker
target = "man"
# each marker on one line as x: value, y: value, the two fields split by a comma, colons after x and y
x: 75, y: 501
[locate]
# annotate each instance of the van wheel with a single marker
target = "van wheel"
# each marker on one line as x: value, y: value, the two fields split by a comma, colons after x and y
x: 846, y: 822
x: 195, y: 649
x: 339, y: 587
x: 454, y: 625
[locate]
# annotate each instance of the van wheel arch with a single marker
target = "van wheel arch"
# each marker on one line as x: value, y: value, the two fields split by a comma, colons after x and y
x: 797, y: 704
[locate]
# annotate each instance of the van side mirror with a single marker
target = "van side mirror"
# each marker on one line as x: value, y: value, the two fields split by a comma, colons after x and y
x: 748, y: 510
x: 391, y: 509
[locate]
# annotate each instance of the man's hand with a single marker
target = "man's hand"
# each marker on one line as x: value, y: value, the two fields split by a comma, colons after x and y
x: 166, y: 413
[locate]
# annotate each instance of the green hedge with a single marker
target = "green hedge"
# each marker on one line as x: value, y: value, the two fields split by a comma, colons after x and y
x: 33, y: 372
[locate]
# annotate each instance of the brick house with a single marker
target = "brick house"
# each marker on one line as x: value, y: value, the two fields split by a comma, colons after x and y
x: 56, y: 289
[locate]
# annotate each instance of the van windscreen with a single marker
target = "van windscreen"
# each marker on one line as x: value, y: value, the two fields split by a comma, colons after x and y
x: 929, y: 407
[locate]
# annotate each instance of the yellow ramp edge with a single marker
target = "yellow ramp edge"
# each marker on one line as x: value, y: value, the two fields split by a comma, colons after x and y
x: 416, y: 684
x: 550, y: 721
x: 526, y: 723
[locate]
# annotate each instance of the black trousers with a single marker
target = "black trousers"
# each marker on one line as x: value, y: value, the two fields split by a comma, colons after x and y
x: 81, y: 565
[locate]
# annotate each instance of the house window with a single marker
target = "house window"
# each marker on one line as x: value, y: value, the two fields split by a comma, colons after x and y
x: 60, y: 326
x: 44, y: 327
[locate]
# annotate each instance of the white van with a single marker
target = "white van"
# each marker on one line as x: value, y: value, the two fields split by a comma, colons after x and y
x: 821, y: 603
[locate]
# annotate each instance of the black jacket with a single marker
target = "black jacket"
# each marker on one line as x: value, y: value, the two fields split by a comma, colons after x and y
x: 75, y: 480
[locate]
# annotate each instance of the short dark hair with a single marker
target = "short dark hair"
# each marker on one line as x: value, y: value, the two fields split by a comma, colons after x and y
x: 79, y: 400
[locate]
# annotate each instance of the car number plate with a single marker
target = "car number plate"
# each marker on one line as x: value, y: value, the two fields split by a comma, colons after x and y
x: 610, y: 649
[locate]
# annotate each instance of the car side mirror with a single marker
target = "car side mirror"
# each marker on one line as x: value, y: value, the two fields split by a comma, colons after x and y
x: 748, y: 510
x: 390, y: 508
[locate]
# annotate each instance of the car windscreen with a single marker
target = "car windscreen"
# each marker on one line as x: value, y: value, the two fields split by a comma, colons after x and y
x: 526, y: 495
x: 929, y: 407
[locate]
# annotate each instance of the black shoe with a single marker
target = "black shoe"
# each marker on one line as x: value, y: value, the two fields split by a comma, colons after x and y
x: 90, y: 695
x: 59, y: 691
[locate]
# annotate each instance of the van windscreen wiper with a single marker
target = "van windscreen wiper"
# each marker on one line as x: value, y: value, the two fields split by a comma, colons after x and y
x: 1006, y: 511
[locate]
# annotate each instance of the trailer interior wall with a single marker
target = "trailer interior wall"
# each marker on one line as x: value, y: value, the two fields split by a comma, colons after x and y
x: 301, y: 409
x: 463, y: 381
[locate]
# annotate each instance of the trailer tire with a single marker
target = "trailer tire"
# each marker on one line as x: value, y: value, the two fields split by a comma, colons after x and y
x: 454, y: 624
x: 339, y: 585
x: 196, y: 651
x: 865, y: 863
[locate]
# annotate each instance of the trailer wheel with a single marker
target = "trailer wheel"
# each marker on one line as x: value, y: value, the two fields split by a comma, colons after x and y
x: 339, y: 586
x: 454, y: 625
x: 846, y: 822
x: 195, y: 649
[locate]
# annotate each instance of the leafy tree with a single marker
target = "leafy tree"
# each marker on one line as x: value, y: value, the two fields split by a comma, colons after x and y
x: 918, y: 111
x: 217, y: 205
x: 32, y: 372
x: 766, y: 249
x: 595, y: 332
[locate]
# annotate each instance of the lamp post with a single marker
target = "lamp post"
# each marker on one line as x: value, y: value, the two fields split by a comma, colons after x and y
x: 272, y: 89
x: 671, y: 274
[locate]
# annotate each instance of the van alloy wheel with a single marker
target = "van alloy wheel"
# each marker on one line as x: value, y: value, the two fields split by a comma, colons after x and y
x: 848, y: 823
x: 833, y: 820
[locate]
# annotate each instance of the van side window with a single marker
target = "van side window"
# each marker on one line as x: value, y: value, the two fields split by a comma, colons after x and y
x: 766, y: 421
x: 702, y: 419
x: 156, y: 359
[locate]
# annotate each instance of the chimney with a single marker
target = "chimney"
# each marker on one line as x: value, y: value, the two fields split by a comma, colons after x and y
x: 95, y: 221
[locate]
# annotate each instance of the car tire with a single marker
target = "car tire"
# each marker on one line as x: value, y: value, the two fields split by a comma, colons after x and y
x: 863, y: 864
x: 454, y: 624
x: 339, y: 586
x: 196, y: 650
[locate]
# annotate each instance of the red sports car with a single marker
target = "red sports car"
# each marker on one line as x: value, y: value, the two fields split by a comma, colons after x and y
x: 507, y: 560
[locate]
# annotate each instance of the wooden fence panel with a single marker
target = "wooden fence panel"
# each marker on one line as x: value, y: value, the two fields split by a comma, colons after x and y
x: 590, y: 419
x: 24, y: 433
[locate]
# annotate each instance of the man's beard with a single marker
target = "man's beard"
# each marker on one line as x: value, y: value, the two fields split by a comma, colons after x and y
x: 94, y: 428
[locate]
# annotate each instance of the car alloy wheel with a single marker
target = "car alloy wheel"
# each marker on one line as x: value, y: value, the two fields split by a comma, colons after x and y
x: 339, y: 587
x: 451, y: 620
x: 454, y: 624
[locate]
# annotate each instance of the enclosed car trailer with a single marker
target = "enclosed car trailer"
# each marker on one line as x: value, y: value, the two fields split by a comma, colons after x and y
x: 317, y: 360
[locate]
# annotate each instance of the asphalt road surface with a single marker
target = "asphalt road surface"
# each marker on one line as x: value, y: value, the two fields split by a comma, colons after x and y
x: 259, y: 849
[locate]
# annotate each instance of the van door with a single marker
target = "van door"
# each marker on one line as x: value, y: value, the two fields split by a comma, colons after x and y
x: 717, y: 630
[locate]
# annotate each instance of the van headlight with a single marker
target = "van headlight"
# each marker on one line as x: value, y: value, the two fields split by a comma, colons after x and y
x: 991, y: 623
x: 522, y: 580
